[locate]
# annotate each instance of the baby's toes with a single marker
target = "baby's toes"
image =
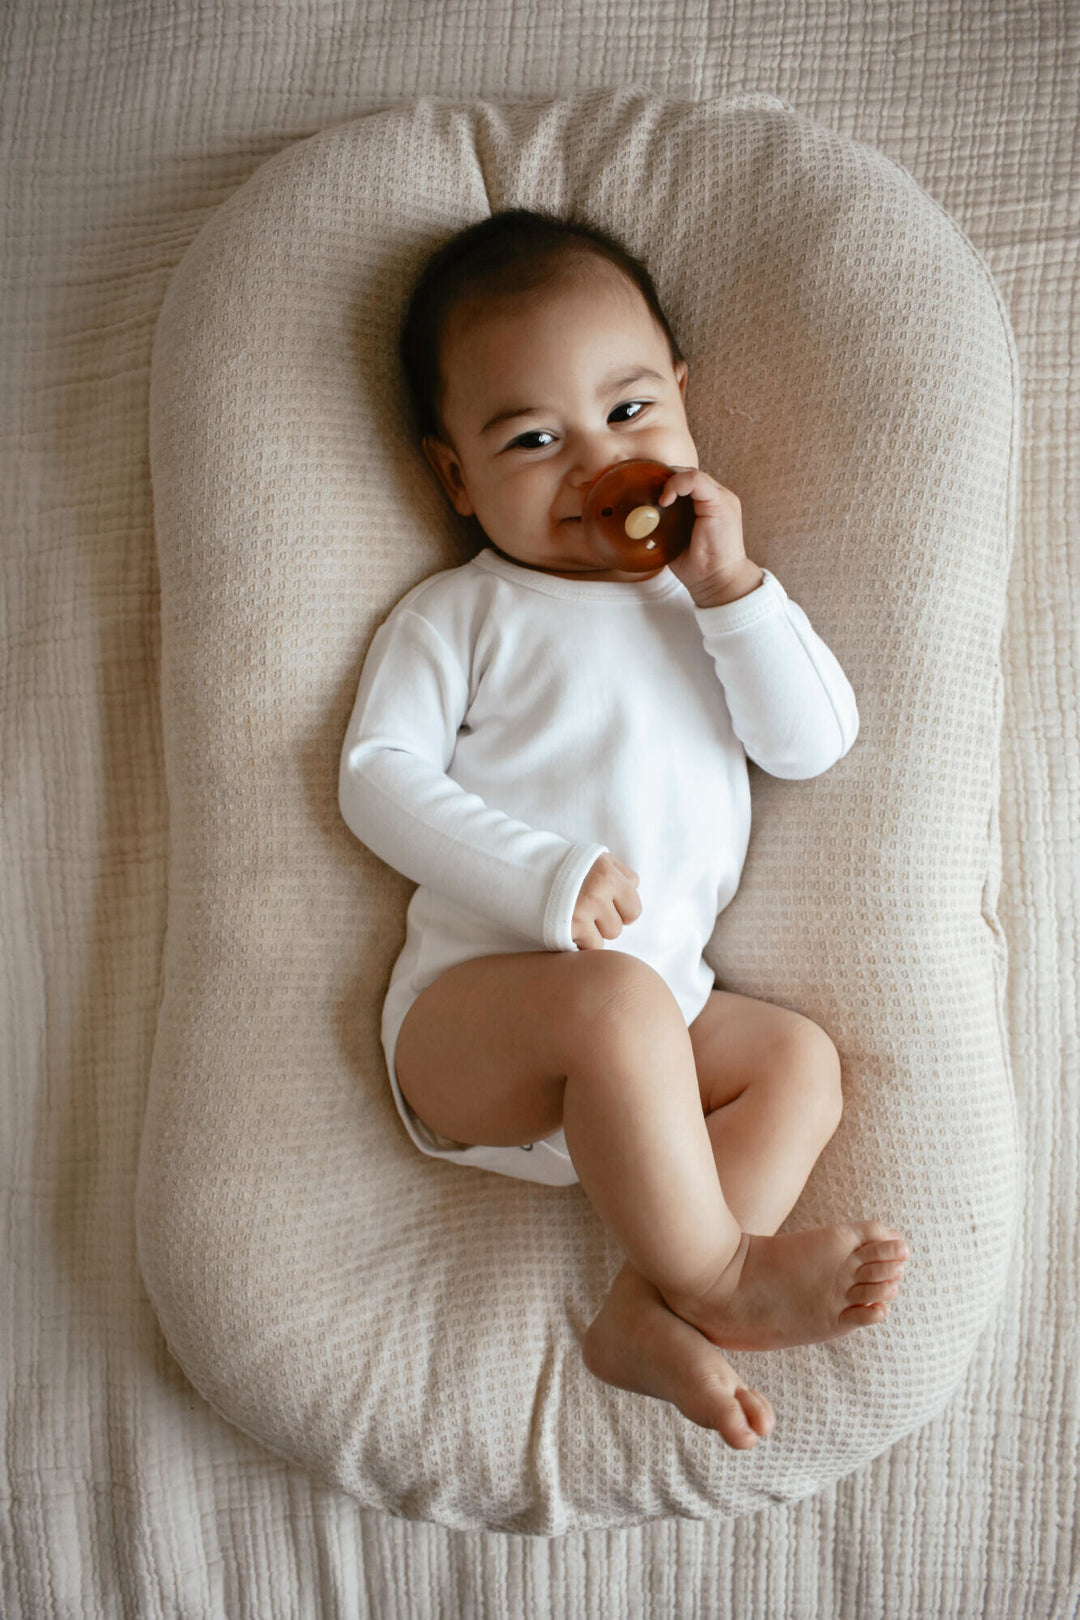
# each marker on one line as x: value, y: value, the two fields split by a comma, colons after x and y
x: 880, y: 1271
x: 893, y: 1248
x: 872, y: 1293
x: 747, y: 1418
x: 757, y: 1411
x: 740, y: 1415
x: 864, y: 1315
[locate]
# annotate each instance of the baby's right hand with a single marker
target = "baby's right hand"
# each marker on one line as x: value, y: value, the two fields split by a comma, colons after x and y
x: 608, y: 899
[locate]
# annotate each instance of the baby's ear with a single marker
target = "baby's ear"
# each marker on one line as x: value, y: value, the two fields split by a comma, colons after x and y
x: 682, y: 372
x: 448, y: 470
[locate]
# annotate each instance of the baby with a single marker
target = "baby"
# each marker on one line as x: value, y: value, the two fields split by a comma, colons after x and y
x: 555, y: 752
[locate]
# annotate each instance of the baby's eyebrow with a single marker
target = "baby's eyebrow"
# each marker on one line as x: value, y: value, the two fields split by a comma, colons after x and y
x: 611, y: 384
x: 640, y: 374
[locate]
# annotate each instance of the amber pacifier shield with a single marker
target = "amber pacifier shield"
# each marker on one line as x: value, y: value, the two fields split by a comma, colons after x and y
x: 624, y: 527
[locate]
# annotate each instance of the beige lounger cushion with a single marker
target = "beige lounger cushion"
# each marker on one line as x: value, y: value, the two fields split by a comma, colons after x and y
x: 404, y: 1328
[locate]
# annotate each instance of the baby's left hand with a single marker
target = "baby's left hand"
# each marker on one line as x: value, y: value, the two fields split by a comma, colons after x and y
x: 715, y: 568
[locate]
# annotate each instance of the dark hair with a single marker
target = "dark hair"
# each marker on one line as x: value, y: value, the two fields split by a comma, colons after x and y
x: 516, y: 250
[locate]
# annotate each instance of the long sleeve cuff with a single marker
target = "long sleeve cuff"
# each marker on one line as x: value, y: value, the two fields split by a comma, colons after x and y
x: 564, y: 892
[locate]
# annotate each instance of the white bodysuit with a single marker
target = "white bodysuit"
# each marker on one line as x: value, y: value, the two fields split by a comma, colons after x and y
x: 510, y: 726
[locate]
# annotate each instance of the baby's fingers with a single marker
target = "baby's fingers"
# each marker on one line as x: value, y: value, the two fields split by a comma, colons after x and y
x: 628, y: 905
x: 592, y: 936
x: 625, y: 897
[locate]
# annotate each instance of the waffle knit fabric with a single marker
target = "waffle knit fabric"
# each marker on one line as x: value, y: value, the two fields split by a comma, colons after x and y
x: 404, y: 1329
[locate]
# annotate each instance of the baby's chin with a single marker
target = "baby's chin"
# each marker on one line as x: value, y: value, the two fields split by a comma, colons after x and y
x: 583, y: 571
x: 572, y: 565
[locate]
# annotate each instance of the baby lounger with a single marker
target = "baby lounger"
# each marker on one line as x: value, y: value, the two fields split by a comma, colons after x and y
x: 405, y: 1329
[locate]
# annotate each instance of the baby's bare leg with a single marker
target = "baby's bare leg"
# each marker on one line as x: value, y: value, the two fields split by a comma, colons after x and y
x: 770, y: 1086
x: 769, y: 1081
x: 503, y: 1049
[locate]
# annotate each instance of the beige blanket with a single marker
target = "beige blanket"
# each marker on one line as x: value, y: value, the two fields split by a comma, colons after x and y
x: 121, y: 1492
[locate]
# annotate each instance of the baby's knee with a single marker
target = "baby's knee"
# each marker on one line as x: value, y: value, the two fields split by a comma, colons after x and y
x: 807, y: 1056
x: 615, y: 985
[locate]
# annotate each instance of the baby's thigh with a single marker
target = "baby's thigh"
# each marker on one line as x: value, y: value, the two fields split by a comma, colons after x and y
x: 482, y: 1054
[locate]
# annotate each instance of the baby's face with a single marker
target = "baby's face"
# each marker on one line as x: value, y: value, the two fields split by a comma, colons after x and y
x: 540, y: 396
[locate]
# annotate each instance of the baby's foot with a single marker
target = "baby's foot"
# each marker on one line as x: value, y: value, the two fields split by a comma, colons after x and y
x: 800, y: 1287
x: 637, y: 1343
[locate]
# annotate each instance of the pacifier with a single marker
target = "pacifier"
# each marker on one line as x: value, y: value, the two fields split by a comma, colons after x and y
x: 623, y: 526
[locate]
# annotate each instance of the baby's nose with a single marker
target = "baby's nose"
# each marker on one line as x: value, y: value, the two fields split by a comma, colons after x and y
x: 589, y: 468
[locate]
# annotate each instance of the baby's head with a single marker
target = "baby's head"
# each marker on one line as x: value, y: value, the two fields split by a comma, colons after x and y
x: 537, y: 353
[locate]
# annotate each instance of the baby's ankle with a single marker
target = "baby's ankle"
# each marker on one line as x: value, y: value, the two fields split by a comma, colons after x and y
x: 716, y: 1287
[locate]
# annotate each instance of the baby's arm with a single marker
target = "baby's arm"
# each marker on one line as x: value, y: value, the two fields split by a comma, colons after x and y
x: 791, y: 704
x: 396, y: 796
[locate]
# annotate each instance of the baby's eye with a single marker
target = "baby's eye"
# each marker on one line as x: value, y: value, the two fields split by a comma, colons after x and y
x: 633, y: 406
x: 529, y: 441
